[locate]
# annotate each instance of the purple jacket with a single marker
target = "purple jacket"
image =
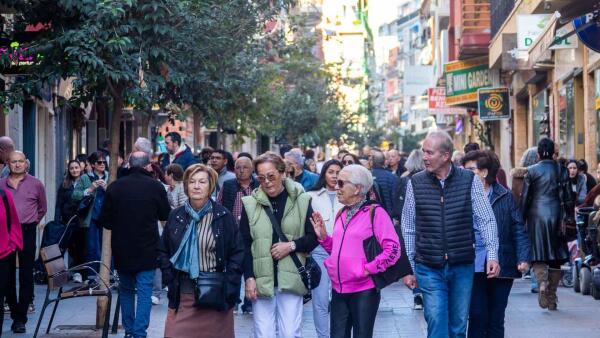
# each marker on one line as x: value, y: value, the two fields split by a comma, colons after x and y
x: 347, y: 262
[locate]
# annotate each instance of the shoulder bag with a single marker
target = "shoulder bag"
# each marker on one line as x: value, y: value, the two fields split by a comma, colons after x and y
x: 310, y: 273
x: 373, y: 249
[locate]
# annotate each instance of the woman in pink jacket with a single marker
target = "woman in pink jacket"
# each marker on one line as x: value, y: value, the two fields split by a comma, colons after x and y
x: 355, y: 299
x: 11, y: 240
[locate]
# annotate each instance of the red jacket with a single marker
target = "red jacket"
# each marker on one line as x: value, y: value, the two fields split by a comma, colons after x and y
x: 13, y: 241
x: 347, y: 262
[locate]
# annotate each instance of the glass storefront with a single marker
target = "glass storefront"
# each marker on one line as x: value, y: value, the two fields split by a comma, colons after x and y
x: 541, y: 126
x: 566, y: 111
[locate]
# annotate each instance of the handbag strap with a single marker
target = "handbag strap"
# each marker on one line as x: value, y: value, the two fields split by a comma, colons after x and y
x: 283, y: 238
x: 7, y: 208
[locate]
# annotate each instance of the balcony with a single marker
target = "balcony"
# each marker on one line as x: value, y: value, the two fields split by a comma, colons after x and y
x: 500, y: 11
x: 473, y: 27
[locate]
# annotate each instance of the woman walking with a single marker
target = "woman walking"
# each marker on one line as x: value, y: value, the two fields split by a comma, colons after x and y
x: 325, y: 202
x: 355, y: 299
x: 175, y: 190
x: 489, y: 297
x: 577, y: 183
x: 66, y: 207
x: 273, y: 282
x: 543, y: 216
x: 201, y: 245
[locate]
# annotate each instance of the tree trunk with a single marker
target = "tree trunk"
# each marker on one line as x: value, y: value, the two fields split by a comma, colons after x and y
x: 219, y: 136
x: 197, y: 127
x: 118, y: 101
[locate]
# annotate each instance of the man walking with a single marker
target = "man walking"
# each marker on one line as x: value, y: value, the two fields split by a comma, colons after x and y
x: 387, y: 181
x: 301, y: 175
x: 132, y: 207
x: 29, y: 198
x: 218, y: 161
x: 177, y: 152
x: 396, y: 162
x: 443, y: 257
x: 231, y: 195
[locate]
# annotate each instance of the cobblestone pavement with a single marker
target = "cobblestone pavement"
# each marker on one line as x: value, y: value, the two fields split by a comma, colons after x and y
x: 578, y: 316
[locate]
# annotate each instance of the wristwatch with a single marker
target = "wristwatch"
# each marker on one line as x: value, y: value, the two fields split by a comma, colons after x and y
x: 293, y: 246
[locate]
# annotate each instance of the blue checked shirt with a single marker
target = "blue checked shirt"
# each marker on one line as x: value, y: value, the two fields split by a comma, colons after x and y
x: 483, y: 217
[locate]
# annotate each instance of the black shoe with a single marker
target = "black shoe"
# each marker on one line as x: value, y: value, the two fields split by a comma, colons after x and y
x: 535, y: 290
x: 418, y: 302
x: 18, y: 327
x: 247, y: 308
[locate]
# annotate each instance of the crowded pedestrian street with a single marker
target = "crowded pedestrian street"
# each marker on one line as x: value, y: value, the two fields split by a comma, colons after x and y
x: 300, y: 168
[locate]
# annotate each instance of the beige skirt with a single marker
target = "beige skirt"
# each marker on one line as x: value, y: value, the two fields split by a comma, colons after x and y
x: 189, y: 321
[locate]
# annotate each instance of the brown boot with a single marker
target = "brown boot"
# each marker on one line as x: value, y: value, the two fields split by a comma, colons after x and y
x: 554, y: 277
x: 541, y: 274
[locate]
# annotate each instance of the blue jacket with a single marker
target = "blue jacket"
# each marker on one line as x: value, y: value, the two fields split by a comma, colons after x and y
x: 514, y: 242
x: 184, y: 159
x: 387, y: 184
x: 308, y: 179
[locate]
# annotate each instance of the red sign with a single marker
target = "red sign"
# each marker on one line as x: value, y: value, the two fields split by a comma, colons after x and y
x: 437, y: 102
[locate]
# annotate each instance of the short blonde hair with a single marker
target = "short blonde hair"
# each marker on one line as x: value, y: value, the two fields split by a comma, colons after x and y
x: 199, y: 168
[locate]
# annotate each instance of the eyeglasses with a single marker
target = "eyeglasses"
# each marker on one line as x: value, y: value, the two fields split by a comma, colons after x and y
x: 100, y: 162
x: 340, y: 183
x: 268, y: 178
x: 347, y: 162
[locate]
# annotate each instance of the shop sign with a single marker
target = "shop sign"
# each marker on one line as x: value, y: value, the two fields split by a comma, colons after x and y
x: 597, y: 81
x: 590, y: 36
x: 16, y: 57
x: 569, y: 43
x: 464, y: 78
x: 437, y: 103
x: 493, y: 104
x: 529, y: 27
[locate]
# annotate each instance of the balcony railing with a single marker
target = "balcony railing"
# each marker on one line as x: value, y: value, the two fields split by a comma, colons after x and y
x: 474, y: 16
x: 500, y: 11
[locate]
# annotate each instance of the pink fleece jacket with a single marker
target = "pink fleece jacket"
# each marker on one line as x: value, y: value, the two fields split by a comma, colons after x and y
x: 14, y: 240
x: 347, y: 262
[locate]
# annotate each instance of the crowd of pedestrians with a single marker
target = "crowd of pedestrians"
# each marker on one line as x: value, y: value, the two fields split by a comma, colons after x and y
x: 224, y: 233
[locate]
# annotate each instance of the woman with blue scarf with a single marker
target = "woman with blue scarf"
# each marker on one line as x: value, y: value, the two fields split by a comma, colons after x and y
x: 201, y: 246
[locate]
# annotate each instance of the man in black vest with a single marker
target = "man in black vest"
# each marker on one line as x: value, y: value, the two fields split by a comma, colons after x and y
x: 442, y: 206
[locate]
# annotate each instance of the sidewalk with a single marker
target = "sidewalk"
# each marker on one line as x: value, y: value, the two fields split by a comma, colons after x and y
x: 578, y: 316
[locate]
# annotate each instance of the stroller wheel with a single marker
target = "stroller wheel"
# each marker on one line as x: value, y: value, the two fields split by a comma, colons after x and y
x: 595, y: 292
x: 567, y: 278
x: 575, y: 279
x: 586, y: 281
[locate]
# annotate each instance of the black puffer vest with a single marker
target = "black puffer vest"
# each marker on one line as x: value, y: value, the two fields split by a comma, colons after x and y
x: 444, y: 218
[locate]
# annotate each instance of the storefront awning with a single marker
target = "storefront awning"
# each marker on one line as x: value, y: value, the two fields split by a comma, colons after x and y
x: 540, y: 55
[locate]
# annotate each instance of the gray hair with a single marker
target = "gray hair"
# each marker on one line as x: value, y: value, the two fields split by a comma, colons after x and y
x: 138, y: 159
x: 446, y: 144
x: 378, y: 158
x: 359, y: 175
x: 529, y: 158
x: 143, y: 144
x: 457, y: 157
x: 295, y: 155
x: 414, y: 162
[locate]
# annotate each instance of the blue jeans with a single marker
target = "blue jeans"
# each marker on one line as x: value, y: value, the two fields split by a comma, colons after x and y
x: 446, y: 297
x: 320, y: 295
x: 93, y: 244
x: 488, y: 305
x: 136, y: 318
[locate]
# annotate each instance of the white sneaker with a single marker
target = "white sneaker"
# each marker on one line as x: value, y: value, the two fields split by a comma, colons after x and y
x: 77, y: 278
x: 155, y: 300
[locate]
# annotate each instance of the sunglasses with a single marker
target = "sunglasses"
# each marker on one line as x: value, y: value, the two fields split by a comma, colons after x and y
x: 340, y: 183
x: 269, y: 178
x: 100, y: 162
x: 347, y: 162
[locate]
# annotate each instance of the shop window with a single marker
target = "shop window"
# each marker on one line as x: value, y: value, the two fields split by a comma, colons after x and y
x: 566, y: 108
x: 541, y: 116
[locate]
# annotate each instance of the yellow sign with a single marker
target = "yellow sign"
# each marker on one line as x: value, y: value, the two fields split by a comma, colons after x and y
x: 598, y: 103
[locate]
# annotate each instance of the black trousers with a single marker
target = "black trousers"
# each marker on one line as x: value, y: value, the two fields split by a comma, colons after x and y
x: 4, y: 274
x: 18, y: 308
x: 353, y: 314
x: 489, y: 299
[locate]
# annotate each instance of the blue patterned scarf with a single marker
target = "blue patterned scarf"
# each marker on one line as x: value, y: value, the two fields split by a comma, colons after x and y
x: 187, y: 257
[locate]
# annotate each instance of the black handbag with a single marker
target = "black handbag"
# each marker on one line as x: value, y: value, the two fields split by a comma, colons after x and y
x: 372, y: 249
x: 310, y: 272
x: 209, y: 291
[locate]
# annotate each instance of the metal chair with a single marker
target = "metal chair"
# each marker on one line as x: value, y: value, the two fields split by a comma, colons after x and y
x: 58, y: 278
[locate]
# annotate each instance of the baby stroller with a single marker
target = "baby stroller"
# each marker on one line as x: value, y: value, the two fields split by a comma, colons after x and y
x: 586, y: 240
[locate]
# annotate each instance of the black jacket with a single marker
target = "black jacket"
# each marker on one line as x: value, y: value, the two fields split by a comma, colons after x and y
x: 230, y: 252
x: 399, y: 196
x: 230, y: 189
x: 132, y: 207
x: 65, y: 205
x: 444, y: 218
x: 542, y: 212
x: 387, y: 183
x: 514, y: 244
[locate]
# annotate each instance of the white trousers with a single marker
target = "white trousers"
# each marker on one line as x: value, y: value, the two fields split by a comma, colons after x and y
x: 281, y: 314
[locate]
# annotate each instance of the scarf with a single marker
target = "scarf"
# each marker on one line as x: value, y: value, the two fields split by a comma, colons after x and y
x: 186, y: 258
x: 353, y: 209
